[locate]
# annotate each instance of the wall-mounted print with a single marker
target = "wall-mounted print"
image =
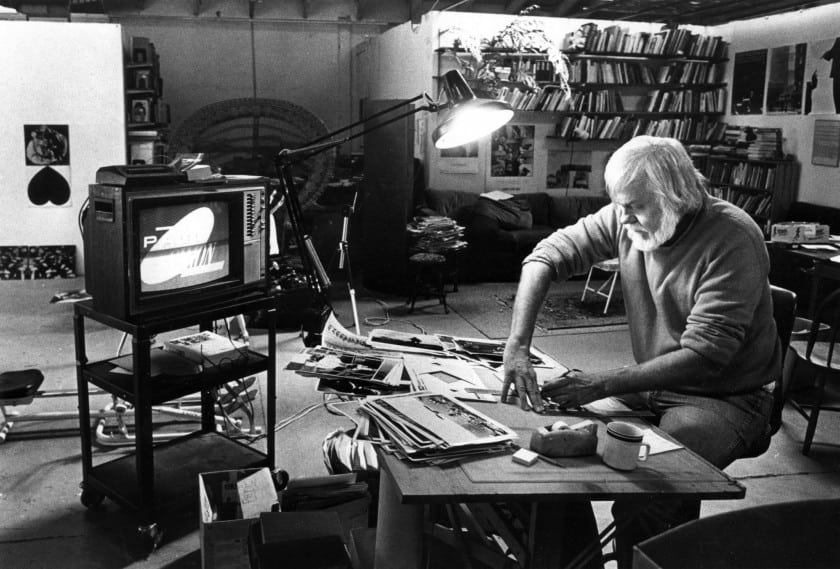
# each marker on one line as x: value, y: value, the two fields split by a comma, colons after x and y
x: 826, y: 150
x: 567, y: 169
x: 460, y: 159
x: 512, y: 152
x: 46, y: 144
x: 785, y: 83
x: 822, y: 74
x: 748, y: 82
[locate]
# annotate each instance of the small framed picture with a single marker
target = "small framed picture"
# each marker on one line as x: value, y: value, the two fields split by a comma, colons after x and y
x: 140, y: 111
x: 143, y: 79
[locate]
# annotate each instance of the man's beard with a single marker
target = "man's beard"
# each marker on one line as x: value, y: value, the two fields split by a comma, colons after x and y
x: 647, y: 241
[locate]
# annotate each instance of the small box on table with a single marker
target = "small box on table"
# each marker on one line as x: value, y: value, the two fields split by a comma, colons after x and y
x: 799, y: 232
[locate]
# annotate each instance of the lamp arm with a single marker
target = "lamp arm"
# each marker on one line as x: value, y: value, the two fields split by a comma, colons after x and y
x: 290, y: 156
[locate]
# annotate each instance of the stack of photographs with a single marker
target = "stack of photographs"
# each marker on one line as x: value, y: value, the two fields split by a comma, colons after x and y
x: 351, y: 372
x: 434, y: 428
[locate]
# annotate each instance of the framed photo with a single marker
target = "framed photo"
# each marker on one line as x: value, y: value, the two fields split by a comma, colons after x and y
x: 826, y: 150
x: 140, y: 111
x: 786, y: 81
x: 143, y: 79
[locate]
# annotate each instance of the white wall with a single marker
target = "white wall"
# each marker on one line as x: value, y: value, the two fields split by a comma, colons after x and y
x: 818, y: 184
x: 57, y: 74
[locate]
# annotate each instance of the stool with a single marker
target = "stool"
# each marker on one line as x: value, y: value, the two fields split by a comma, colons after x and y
x: 428, y: 269
x: 609, y: 266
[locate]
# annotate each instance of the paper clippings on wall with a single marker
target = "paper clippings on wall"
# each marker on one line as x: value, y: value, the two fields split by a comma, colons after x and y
x: 460, y: 159
x: 512, y: 152
x: 826, y: 150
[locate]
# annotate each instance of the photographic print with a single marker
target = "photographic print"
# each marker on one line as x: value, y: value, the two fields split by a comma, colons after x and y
x: 460, y: 159
x: 46, y: 144
x: 822, y: 93
x: 512, y: 151
x: 748, y: 82
x: 140, y: 111
x: 567, y: 169
x: 786, y: 81
x: 826, y: 143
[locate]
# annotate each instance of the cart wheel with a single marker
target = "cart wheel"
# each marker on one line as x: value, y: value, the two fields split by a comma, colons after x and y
x: 151, y: 536
x: 91, y: 498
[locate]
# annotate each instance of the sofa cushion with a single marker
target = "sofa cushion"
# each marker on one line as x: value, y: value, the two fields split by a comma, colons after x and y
x: 566, y: 210
x: 457, y: 205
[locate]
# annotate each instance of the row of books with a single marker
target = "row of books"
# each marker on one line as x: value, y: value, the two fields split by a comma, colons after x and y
x: 632, y: 73
x: 603, y: 101
x: 624, y: 127
x: 682, y: 101
x: 762, y: 176
x: 672, y: 42
x: 758, y: 205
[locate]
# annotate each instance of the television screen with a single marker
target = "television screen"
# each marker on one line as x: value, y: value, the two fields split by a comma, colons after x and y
x: 183, y: 245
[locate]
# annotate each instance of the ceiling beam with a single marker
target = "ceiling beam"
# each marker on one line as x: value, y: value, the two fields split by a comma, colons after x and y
x: 415, y: 11
x: 564, y: 7
x: 742, y: 12
x: 514, y: 6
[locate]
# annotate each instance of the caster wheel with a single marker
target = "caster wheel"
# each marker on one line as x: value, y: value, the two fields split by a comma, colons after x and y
x: 91, y: 498
x: 151, y: 537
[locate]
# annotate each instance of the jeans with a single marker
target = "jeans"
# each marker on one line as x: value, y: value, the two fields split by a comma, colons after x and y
x: 719, y: 429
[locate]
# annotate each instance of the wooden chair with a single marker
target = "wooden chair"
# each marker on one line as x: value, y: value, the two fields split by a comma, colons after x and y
x: 821, y: 356
x: 784, y: 313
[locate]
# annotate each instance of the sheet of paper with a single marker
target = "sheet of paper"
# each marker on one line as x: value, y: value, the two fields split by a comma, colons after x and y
x: 659, y: 444
x: 835, y: 259
x: 818, y: 247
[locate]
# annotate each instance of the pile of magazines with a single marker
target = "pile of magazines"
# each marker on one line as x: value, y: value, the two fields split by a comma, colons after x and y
x: 435, y: 233
x: 434, y: 428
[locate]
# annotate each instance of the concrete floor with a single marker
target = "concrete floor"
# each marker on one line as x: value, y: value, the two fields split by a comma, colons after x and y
x: 44, y: 525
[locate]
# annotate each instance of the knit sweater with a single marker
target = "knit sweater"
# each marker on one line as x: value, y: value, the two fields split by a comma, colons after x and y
x: 707, y: 291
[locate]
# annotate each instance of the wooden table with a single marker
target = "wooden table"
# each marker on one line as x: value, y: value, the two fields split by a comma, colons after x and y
x: 406, y: 489
x: 819, y: 266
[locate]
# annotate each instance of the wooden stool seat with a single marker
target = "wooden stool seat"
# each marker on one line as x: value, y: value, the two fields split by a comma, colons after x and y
x: 429, y: 270
x: 609, y: 266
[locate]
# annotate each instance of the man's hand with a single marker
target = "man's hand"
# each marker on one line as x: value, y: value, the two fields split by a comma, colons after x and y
x: 519, y: 373
x: 573, y: 389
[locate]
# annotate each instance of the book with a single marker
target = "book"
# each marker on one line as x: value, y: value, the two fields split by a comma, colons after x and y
x: 207, y: 348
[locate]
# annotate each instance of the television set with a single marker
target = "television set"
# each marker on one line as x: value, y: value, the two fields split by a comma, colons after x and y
x: 153, y: 246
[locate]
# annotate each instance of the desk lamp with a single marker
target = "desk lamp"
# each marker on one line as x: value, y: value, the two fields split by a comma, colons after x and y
x: 469, y: 118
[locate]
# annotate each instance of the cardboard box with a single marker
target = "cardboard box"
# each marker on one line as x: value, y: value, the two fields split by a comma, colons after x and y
x: 303, y: 540
x: 223, y: 530
x: 799, y: 232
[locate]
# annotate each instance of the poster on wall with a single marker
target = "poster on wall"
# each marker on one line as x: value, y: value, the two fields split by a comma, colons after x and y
x: 569, y: 169
x: 748, y: 82
x: 826, y: 143
x: 822, y: 74
x: 460, y: 159
x: 512, y: 152
x: 785, y: 80
x: 47, y: 155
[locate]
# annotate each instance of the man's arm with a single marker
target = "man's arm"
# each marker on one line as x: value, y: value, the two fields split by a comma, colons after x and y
x: 533, y: 286
x: 674, y: 369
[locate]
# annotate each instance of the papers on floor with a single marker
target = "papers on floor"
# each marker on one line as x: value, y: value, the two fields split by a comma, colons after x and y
x: 434, y: 428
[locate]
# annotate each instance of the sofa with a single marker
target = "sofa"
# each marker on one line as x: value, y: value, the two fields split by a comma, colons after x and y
x: 501, y: 233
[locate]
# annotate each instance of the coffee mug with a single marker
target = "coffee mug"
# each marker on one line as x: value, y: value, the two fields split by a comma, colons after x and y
x: 623, y: 446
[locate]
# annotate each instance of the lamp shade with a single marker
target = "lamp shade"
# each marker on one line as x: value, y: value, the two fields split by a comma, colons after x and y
x: 469, y: 117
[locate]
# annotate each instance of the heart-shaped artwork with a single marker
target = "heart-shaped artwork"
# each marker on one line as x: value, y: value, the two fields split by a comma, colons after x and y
x: 48, y: 186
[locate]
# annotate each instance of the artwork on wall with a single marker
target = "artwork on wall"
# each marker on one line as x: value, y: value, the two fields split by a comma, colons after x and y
x: 785, y: 83
x: 460, y: 159
x: 569, y: 169
x: 47, y: 151
x: 822, y: 71
x: 826, y: 150
x: 748, y: 82
x: 512, y: 152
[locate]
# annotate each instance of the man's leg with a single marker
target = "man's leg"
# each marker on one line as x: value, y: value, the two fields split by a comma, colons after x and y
x: 718, y: 429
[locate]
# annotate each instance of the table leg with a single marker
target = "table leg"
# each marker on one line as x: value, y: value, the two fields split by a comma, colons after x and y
x: 399, y: 529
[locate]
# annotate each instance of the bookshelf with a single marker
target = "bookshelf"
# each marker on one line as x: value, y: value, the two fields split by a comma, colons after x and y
x: 147, y: 115
x: 668, y: 83
x: 763, y: 188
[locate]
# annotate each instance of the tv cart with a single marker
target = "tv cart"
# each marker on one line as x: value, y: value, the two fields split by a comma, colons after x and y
x: 155, y: 478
